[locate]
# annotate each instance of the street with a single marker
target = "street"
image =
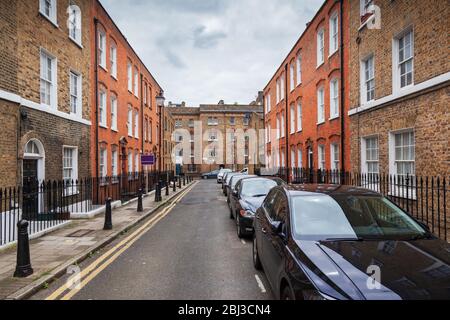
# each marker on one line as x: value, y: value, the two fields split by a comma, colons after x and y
x: 192, y: 253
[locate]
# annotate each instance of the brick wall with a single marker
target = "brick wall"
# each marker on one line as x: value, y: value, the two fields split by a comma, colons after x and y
x: 9, y: 115
x: 8, y: 49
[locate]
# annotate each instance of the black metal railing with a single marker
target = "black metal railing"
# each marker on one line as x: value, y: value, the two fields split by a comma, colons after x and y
x: 50, y: 203
x: 425, y: 198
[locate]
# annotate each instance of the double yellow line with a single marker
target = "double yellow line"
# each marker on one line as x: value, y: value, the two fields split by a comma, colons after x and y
x: 112, y: 254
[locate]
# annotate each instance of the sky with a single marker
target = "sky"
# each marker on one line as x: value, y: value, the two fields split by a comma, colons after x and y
x: 203, y: 51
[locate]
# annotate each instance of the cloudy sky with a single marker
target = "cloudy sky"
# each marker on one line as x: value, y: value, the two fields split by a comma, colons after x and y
x: 202, y: 51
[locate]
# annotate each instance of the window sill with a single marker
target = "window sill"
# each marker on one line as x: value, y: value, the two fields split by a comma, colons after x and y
x: 319, y: 65
x: 114, y: 129
x: 104, y: 126
x: 114, y: 77
x: 76, y: 42
x: 333, y: 53
x: 299, y: 84
x: 54, y: 23
x: 319, y: 123
x: 103, y: 67
x: 334, y: 118
x: 300, y: 131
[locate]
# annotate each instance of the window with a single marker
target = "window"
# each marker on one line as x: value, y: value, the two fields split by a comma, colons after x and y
x: 299, y: 69
x: 292, y: 157
x: 364, y: 7
x: 406, y: 59
x: 130, y: 162
x: 114, y: 112
x: 334, y: 156
x: 368, y: 80
x: 278, y: 90
x: 136, y: 161
x: 283, y: 160
x: 334, y: 99
x: 321, y: 157
x: 278, y: 127
x: 48, y: 9
x: 371, y: 155
x: 232, y: 121
x: 334, y: 33
x: 292, y: 130
x: 130, y: 121
x: 136, y: 82
x: 113, y: 60
x: 246, y: 121
x: 212, y: 135
x: 291, y: 74
x: 74, y: 22
x: 130, y: 76
x: 282, y: 126
x: 70, y: 166
x: 282, y: 87
x: 75, y: 93
x: 150, y: 138
x: 404, y: 149
x: 191, y: 123
x: 299, y: 116
x: 269, y: 133
x: 48, y: 80
x: 102, y: 109
x: 320, y: 47
x: 213, y: 121
x: 145, y: 94
x: 103, y: 163
x: 136, y: 124
x: 145, y: 129
x: 178, y: 123
x: 102, y: 49
x: 268, y: 106
x: 300, y: 157
x: 320, y: 106
x: 114, y: 163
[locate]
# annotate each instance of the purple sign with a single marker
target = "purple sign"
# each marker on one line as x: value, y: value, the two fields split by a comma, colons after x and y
x: 147, y: 159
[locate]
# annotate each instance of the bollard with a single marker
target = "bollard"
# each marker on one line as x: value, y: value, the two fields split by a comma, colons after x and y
x: 160, y: 191
x: 174, y: 180
x: 156, y: 192
x: 167, y: 187
x: 23, y: 266
x: 140, y: 207
x: 179, y: 182
x: 108, y: 215
x: 184, y: 180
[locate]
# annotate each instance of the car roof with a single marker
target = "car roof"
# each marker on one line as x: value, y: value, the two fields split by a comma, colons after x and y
x: 329, y: 189
x: 262, y: 178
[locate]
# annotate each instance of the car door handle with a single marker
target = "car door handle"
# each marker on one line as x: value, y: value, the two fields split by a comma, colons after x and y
x: 263, y: 230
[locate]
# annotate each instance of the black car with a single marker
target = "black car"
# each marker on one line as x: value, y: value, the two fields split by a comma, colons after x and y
x: 328, y: 242
x: 232, y: 184
x: 246, y: 198
x: 226, y: 182
x: 211, y: 175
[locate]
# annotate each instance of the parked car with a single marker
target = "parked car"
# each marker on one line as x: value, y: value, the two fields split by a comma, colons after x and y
x: 210, y: 175
x: 226, y: 180
x: 221, y: 174
x: 246, y: 198
x: 229, y: 181
x: 328, y: 242
x: 234, y: 180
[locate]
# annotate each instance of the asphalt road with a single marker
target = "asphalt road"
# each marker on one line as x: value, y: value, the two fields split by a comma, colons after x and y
x: 192, y: 253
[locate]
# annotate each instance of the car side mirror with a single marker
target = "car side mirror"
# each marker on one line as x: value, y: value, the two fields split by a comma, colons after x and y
x: 278, y: 229
x: 235, y: 193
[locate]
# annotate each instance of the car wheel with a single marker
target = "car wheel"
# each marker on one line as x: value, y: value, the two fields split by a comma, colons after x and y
x: 287, y: 294
x: 256, y: 261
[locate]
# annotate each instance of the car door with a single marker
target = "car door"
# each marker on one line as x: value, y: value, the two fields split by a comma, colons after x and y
x: 265, y: 222
x: 274, y: 248
x: 235, y: 199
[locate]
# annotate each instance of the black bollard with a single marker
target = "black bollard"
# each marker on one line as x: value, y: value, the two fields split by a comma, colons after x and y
x: 174, y: 180
x: 108, y: 215
x: 167, y: 187
x: 156, y: 192
x: 140, y: 207
x: 23, y: 266
x: 184, y: 180
x: 179, y: 182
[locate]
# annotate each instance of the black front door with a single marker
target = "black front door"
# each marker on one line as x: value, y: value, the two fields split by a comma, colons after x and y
x: 30, y: 189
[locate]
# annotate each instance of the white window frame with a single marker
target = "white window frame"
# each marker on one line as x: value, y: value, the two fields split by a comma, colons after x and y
x: 320, y: 47
x: 102, y: 49
x: 136, y: 81
x: 299, y: 69
x: 372, y: 178
x: 136, y: 162
x: 283, y: 123
x: 299, y: 157
x: 113, y: 59
x: 114, y: 163
x: 130, y: 76
x: 53, y: 82
x: 78, y: 95
x: 75, y: 24
x: 396, y: 63
x: 130, y: 163
x: 102, y: 98
x: 321, y: 156
x: 268, y: 106
x: 103, y: 163
x: 291, y: 75
x: 213, y: 121
x: 53, y: 12
x: 114, y: 112
x: 136, y: 124
x: 367, y: 72
x: 278, y: 127
x: 334, y: 98
x: 299, y: 116
x: 130, y: 121
x: 282, y: 87
x: 334, y: 34
x: 293, y: 118
x: 69, y: 187
x: 320, y: 105
x: 293, y: 154
x: 335, y: 158
x: 278, y: 91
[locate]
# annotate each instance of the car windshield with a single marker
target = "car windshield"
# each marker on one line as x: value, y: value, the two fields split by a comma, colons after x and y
x: 322, y: 217
x: 235, y: 179
x: 257, y: 188
x: 229, y: 178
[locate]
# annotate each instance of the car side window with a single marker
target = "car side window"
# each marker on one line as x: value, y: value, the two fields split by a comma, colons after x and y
x: 238, y: 188
x: 281, y: 209
x: 270, y: 203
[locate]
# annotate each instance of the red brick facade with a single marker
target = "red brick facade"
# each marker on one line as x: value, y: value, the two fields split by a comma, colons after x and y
x: 116, y: 142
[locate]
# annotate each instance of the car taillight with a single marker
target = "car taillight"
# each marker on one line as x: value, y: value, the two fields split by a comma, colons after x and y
x: 242, y: 213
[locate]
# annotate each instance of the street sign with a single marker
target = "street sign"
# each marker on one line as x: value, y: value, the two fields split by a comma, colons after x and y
x: 148, y: 159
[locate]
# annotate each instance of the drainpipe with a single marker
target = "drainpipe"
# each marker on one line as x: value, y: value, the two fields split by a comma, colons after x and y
x: 286, y: 122
x: 342, y: 71
x: 96, y: 99
x: 142, y: 113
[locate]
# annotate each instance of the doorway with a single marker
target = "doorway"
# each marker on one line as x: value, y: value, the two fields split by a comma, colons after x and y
x: 30, y: 189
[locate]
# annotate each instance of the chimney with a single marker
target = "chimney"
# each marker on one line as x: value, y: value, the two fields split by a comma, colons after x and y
x: 183, y: 104
x: 221, y: 102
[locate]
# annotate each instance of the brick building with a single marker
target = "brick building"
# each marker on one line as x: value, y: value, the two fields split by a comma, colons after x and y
x: 306, y: 101
x: 123, y: 95
x: 44, y: 90
x: 213, y: 136
x: 399, y: 93
x: 167, y: 145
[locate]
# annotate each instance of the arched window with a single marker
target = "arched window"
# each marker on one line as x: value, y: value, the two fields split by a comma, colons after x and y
x: 74, y: 23
x: 32, y: 148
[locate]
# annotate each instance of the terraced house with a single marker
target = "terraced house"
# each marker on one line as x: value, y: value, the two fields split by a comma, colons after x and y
x: 399, y: 93
x: 306, y: 101
x: 45, y: 112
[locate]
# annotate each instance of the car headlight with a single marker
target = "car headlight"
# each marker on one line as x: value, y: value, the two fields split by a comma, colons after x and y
x: 315, y: 295
x: 246, y: 213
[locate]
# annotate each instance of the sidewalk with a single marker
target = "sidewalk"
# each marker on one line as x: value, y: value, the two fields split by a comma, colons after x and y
x: 53, y: 253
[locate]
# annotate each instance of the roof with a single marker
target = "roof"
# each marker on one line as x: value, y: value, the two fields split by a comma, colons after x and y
x: 210, y: 108
x: 330, y: 189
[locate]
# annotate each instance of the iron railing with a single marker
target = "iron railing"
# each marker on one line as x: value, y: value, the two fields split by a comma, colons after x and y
x: 425, y: 198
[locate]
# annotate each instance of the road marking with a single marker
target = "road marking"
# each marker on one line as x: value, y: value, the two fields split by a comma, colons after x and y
x: 125, y: 244
x: 260, y: 284
x: 243, y: 241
